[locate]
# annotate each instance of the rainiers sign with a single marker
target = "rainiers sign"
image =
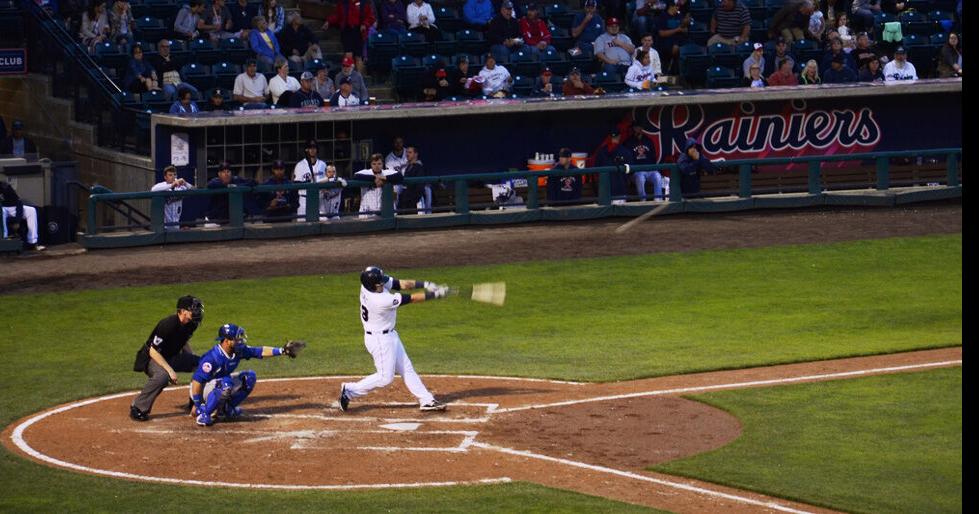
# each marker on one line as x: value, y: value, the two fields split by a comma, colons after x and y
x: 13, y: 61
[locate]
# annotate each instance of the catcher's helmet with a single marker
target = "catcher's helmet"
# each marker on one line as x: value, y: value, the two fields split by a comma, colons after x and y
x: 231, y: 331
x: 371, y: 277
x: 194, y: 305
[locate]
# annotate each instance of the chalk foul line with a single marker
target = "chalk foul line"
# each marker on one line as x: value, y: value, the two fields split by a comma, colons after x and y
x: 735, y: 385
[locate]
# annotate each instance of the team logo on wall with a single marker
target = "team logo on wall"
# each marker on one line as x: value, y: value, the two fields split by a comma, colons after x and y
x: 792, y: 130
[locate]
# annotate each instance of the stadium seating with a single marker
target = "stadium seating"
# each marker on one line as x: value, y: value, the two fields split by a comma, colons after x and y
x: 523, y: 85
x: 408, y: 74
x: 202, y: 51
x: 150, y: 28
x: 447, y: 45
x: 381, y: 48
x: 693, y: 63
x: 557, y: 61
x: 558, y: 14
x: 224, y: 73
x: 197, y: 74
x: 234, y: 49
x: 108, y: 54
x: 448, y: 19
x: 561, y: 39
x: 723, y: 55
x: 722, y: 77
x: 913, y: 22
x: 610, y: 82
x: 471, y: 42
x: 524, y: 63
x: 415, y: 45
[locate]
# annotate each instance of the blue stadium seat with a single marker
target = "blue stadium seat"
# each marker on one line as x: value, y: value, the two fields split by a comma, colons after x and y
x: 693, y: 63
x: 913, y: 22
x: 162, y: 9
x: 938, y: 39
x: 108, y: 54
x: 805, y: 50
x: 524, y: 63
x: 523, y: 85
x: 429, y: 61
x: 700, y: 10
x: 559, y: 15
x: 721, y: 77
x: 699, y: 32
x: 408, y: 74
x: 560, y: 38
x: 759, y: 29
x: 202, y: 51
x: 234, y: 49
x: 610, y: 82
x: 447, y: 19
x: 757, y: 9
x: 381, y: 48
x: 150, y: 28
x: 197, y: 74
x: 415, y: 45
x: 723, y: 55
x: 557, y: 61
x: 471, y: 42
x: 447, y: 45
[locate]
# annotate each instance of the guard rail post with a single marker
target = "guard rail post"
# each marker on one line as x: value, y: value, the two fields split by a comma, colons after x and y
x: 952, y: 164
x: 744, y: 181
x: 883, y: 173
x: 815, y: 187
x: 604, y: 189
x: 157, y: 204
x: 92, y: 226
x: 533, y: 193
x: 387, y: 201
x: 676, y: 192
x: 312, y: 203
x: 236, y: 207
x: 461, y: 196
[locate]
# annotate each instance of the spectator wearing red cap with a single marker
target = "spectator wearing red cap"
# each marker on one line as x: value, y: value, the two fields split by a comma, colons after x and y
x: 614, y: 49
x: 534, y: 30
x: 357, y: 83
x: 353, y: 18
x: 437, y: 87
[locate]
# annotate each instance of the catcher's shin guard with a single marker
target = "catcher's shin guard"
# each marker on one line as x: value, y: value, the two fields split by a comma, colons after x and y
x: 248, y: 380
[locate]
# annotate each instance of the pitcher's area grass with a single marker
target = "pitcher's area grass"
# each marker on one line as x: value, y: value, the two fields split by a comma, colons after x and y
x: 890, y: 443
x: 590, y: 319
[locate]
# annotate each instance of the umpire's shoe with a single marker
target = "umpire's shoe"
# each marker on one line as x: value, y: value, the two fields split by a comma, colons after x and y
x: 344, y: 400
x: 433, y: 405
x: 138, y: 415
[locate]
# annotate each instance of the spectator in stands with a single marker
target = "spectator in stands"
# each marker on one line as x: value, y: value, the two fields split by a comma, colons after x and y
x: 614, y: 49
x: 306, y: 96
x: 323, y: 84
x: 756, y: 57
x: 646, y: 45
x: 575, y: 85
x: 534, y: 31
x: 392, y: 16
x: 12, y: 206
x: 95, y: 25
x: 894, y: 7
x: 642, y: 154
x: 496, y: 78
x: 567, y: 188
x: 282, y: 82
x: 185, y: 24
x: 344, y: 96
x: 836, y: 50
x: 672, y: 29
x: 280, y: 205
x: 218, y: 20
x: 174, y: 205
x: 274, y: 14
x: 184, y: 103
x: 587, y: 26
x: 817, y: 24
x: 140, y: 75
x: 839, y: 72
x: 781, y: 55
x: 503, y: 33
x: 169, y: 72
x: 644, y: 17
x: 810, y: 74
x: 437, y: 86
x: 353, y: 18
x: 216, y: 101
x: 17, y: 144
x: 641, y: 74
x: 217, y: 212
x: 691, y: 164
x: 458, y: 77
x: 397, y: 160
x: 250, y: 86
x: 899, y: 68
x: 122, y: 22
x: 298, y: 42
x: 950, y: 57
x: 843, y: 30
x: 264, y: 43
x: 872, y: 72
x: 413, y: 194
x: 478, y: 13
x: 421, y: 19
x: 792, y: 20
x: 730, y: 24
x: 754, y: 77
x: 242, y: 14
x: 543, y: 85
x: 356, y: 79
x: 614, y: 153
x: 864, y: 51
x: 784, y: 75
x: 863, y: 13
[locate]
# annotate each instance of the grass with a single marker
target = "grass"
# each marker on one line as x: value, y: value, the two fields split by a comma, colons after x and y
x: 590, y: 319
x: 890, y: 443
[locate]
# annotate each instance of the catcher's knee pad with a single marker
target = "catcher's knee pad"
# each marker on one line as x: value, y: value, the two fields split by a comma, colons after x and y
x: 248, y: 380
x: 226, y: 386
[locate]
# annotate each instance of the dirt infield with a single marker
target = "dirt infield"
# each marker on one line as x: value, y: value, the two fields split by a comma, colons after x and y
x: 592, y: 438
x: 450, y: 247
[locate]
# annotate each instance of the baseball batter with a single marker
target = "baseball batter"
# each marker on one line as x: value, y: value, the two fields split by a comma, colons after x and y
x: 216, y: 380
x: 370, y: 196
x: 174, y: 205
x: 379, y: 314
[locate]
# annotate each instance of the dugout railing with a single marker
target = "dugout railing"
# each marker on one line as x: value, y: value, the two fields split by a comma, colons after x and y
x: 460, y: 210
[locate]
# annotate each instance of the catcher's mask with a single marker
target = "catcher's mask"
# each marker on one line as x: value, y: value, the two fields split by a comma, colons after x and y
x: 233, y: 332
x: 372, y: 277
x: 194, y: 305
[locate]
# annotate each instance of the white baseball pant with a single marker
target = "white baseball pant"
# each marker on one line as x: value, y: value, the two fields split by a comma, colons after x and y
x: 390, y: 358
x: 30, y: 217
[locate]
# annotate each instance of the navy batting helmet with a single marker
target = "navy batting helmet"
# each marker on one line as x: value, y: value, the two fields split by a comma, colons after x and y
x: 231, y: 331
x: 371, y: 277
x: 194, y: 305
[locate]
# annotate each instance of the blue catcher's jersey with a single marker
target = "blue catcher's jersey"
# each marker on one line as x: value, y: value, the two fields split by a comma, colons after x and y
x: 217, y: 364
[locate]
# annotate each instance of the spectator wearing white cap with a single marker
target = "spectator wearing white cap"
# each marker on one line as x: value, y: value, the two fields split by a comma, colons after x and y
x: 757, y: 57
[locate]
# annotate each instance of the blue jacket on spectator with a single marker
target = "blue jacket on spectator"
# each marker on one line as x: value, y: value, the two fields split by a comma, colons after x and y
x: 178, y: 108
x: 690, y: 169
x: 844, y: 75
x: 136, y: 68
x: 478, y: 12
x: 259, y: 46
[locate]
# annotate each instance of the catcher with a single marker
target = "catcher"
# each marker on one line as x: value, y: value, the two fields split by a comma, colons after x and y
x: 216, y: 390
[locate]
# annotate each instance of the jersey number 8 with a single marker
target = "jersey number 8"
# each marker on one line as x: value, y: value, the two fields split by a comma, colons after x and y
x: 363, y: 313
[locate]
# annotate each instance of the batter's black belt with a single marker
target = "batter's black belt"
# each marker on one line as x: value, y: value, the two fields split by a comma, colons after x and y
x: 371, y: 333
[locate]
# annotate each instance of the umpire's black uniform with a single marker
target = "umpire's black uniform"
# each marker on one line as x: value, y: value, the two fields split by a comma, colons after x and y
x: 169, y: 339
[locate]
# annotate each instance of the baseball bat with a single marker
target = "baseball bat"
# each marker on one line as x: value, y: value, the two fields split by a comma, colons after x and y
x: 641, y: 218
x: 488, y: 292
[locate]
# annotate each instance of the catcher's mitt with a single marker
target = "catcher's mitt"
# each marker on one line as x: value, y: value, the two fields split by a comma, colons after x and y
x: 292, y: 348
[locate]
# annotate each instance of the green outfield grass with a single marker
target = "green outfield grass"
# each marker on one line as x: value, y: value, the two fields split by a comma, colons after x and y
x: 590, y: 319
x: 889, y: 443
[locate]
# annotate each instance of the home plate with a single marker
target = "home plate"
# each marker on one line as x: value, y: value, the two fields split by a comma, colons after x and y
x: 402, y: 427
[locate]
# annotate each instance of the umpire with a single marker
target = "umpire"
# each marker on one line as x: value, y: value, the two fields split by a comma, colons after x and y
x: 165, y: 352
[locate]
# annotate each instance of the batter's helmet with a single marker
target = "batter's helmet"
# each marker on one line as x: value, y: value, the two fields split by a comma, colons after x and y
x: 194, y: 305
x: 371, y: 277
x: 231, y: 331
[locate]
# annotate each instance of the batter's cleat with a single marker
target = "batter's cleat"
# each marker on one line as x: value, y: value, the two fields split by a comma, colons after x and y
x: 137, y: 415
x: 433, y: 405
x: 344, y: 400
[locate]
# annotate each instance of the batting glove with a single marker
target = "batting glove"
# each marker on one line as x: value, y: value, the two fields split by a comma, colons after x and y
x: 430, y: 286
x: 441, y: 291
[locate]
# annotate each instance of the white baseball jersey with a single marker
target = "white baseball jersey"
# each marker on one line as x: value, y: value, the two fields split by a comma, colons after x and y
x: 370, y: 196
x: 174, y: 206
x: 306, y: 173
x: 379, y: 311
x: 330, y: 199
